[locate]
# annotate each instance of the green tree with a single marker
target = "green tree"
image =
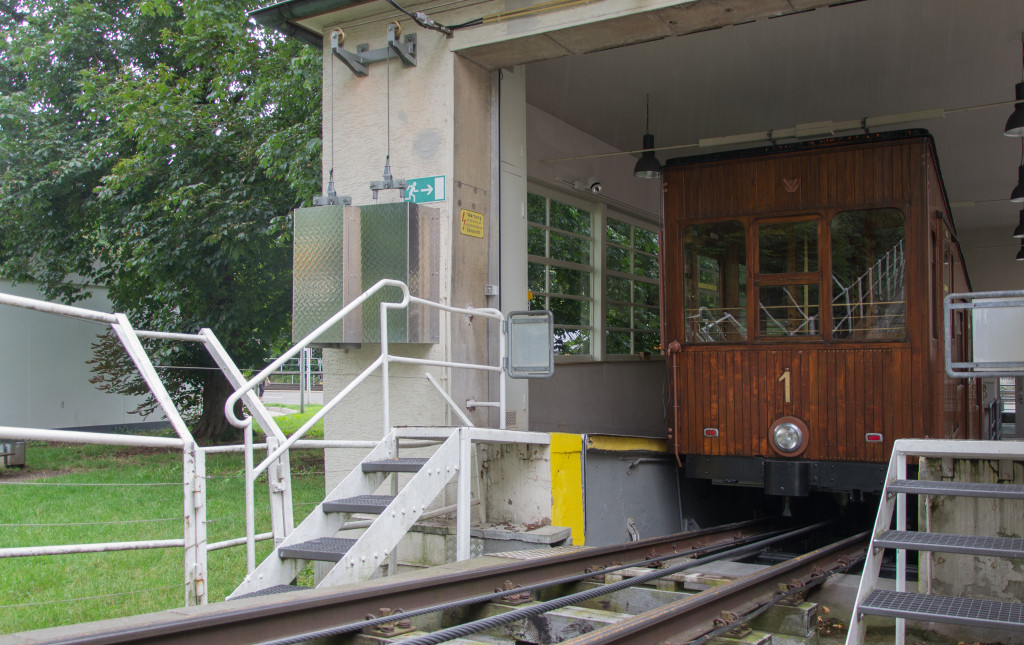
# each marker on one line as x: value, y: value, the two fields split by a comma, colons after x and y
x: 157, y: 148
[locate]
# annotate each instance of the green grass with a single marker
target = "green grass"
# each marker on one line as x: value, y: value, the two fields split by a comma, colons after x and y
x: 45, y: 591
x: 293, y: 422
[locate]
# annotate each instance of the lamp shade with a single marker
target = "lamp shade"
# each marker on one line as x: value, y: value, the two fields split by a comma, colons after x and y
x: 1020, y: 253
x: 1019, y: 231
x: 1017, y: 196
x: 1015, y: 124
x: 648, y: 166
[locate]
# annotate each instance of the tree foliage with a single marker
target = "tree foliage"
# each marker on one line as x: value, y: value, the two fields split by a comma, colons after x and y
x: 157, y: 148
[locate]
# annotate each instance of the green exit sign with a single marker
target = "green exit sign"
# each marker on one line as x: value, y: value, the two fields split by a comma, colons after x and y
x: 425, y: 189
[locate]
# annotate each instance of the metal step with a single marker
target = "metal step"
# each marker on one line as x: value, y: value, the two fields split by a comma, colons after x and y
x: 361, y: 504
x: 269, y: 591
x: 400, y: 465
x: 999, y: 547
x: 944, y: 609
x: 326, y: 549
x: 961, y: 489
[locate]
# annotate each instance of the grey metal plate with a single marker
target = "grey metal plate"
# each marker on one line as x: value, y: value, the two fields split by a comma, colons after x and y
x: 944, y: 609
x: 400, y: 465
x: 360, y: 504
x: 326, y: 549
x: 269, y: 591
x: 962, y: 489
x: 1001, y: 547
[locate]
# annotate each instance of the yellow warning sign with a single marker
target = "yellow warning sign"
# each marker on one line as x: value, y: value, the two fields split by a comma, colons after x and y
x: 472, y: 223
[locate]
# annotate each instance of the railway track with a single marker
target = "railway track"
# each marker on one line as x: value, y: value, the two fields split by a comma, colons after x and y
x: 582, y: 596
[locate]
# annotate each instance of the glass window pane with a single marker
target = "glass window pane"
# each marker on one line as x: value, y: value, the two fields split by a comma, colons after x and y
x: 535, y: 277
x: 569, y: 248
x: 538, y: 303
x: 791, y: 310
x: 618, y: 232
x: 645, y: 240
x: 645, y: 293
x: 645, y: 265
x: 868, y: 281
x: 618, y: 342
x: 536, y: 209
x: 646, y: 342
x: 569, y: 218
x: 618, y: 316
x: 618, y: 289
x: 644, y: 318
x: 715, y: 258
x: 567, y: 311
x: 789, y: 247
x: 568, y: 281
x: 617, y: 259
x: 535, y: 244
x: 572, y: 342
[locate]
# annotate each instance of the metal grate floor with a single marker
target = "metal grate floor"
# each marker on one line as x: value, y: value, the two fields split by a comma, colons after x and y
x: 326, y: 549
x: 964, y: 489
x: 962, y: 611
x: 359, y: 504
x: 400, y: 465
x: 1001, y: 547
x: 269, y: 591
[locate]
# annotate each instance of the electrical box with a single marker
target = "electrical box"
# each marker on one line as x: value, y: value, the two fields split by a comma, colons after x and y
x: 341, y: 251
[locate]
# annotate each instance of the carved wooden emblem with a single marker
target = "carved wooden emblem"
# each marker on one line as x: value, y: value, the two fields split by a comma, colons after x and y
x: 791, y: 185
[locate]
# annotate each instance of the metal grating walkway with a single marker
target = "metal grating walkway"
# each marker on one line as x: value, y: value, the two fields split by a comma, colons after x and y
x: 961, y: 489
x: 400, y: 465
x: 999, y: 547
x: 962, y: 611
x: 326, y: 549
x: 359, y: 504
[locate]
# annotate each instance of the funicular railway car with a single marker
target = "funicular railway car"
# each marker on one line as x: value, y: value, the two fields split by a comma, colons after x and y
x: 802, y: 297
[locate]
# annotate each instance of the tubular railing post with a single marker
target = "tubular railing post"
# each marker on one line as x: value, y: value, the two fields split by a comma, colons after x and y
x: 901, y: 554
x: 502, y: 359
x: 463, y: 495
x: 385, y: 364
x: 250, y: 505
x: 191, y: 559
x: 202, y: 564
x: 138, y: 354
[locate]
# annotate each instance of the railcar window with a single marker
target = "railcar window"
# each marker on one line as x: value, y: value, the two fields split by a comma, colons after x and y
x: 632, y: 319
x: 559, y: 269
x: 788, y: 247
x: 868, y: 275
x: 789, y: 305
x: 789, y: 310
x: 715, y: 282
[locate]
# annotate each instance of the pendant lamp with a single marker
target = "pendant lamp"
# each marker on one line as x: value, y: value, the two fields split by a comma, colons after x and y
x: 648, y: 166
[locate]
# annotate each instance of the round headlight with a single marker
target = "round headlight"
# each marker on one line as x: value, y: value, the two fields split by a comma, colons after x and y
x: 787, y: 437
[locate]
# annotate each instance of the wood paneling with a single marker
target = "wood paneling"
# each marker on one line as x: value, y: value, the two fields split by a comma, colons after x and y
x: 842, y: 390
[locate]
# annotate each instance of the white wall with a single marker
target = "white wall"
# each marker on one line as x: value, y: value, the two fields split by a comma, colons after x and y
x: 44, y: 378
x: 989, y: 256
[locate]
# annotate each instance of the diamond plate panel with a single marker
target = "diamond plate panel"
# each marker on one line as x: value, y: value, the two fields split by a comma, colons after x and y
x: 341, y: 251
x: 317, y: 269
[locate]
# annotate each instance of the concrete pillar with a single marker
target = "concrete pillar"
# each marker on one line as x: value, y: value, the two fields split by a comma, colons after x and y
x: 435, y: 118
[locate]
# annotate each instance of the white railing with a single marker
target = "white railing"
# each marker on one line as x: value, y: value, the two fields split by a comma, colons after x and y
x: 884, y: 279
x: 382, y: 362
x: 194, y: 540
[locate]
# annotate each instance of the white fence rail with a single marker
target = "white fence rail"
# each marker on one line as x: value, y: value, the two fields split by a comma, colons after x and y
x: 278, y: 446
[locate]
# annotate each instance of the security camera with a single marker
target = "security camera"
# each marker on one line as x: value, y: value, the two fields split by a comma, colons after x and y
x: 590, y: 185
x: 595, y: 187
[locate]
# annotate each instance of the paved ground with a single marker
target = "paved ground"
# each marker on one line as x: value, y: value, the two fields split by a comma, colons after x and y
x: 290, y: 396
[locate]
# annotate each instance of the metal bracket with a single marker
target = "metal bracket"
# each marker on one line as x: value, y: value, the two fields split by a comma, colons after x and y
x: 403, y: 48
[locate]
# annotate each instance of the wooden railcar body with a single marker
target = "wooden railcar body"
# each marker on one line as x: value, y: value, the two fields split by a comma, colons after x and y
x: 757, y: 319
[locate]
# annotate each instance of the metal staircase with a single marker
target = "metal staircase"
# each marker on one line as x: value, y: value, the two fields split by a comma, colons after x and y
x: 364, y: 557
x: 902, y: 604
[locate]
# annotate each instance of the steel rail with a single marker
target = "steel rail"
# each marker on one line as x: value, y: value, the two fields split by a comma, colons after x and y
x: 285, y: 615
x: 687, y: 619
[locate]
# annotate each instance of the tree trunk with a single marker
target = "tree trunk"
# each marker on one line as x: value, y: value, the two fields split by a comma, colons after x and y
x: 213, y: 426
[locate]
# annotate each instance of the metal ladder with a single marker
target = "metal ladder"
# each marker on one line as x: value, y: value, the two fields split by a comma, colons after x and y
x: 362, y: 558
x: 902, y: 604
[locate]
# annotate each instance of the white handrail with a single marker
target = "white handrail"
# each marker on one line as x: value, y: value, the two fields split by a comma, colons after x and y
x: 229, y: 406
